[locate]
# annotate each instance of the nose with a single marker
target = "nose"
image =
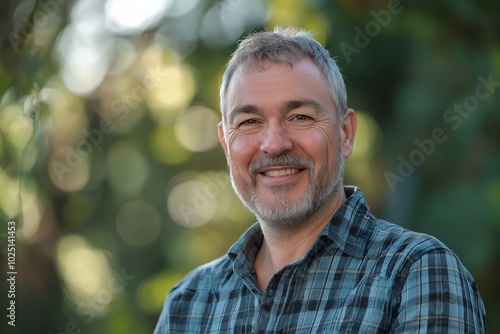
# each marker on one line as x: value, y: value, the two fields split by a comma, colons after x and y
x: 275, y: 140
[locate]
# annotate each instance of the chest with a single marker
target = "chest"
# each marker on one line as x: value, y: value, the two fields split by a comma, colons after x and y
x: 319, y: 301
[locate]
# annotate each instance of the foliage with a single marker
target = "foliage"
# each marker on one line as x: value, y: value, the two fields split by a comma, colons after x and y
x: 110, y: 164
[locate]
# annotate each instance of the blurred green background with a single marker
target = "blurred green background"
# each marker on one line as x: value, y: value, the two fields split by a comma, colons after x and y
x: 111, y: 168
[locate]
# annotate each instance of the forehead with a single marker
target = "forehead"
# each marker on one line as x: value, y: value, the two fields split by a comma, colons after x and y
x: 273, y: 82
x: 303, y: 67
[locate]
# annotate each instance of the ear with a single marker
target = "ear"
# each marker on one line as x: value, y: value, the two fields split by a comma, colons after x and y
x: 348, y: 131
x: 222, y: 139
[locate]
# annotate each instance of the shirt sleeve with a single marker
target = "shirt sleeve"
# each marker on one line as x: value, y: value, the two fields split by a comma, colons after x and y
x: 439, y: 295
x: 162, y: 326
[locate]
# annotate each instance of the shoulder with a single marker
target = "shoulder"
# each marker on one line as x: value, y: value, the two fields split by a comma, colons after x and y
x: 400, y: 248
x: 192, y: 297
x: 203, y: 278
x: 360, y: 234
x: 431, y: 287
x: 399, y: 239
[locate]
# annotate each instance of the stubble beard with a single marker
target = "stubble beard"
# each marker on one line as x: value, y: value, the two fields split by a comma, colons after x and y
x: 283, y: 212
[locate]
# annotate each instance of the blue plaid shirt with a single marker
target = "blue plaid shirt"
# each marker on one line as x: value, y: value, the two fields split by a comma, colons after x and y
x: 362, y: 275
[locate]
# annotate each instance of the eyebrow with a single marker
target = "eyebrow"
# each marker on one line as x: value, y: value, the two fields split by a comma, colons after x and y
x: 244, y: 109
x: 295, y: 104
x: 287, y: 106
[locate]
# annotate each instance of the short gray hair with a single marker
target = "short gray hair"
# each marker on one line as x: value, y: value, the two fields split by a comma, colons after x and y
x: 289, y: 46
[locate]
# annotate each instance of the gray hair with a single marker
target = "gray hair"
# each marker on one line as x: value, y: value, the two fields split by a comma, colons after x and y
x: 289, y: 46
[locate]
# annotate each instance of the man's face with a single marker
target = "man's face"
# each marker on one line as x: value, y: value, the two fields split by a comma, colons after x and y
x: 282, y: 141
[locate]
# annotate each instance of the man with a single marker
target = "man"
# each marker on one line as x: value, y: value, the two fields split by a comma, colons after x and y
x: 317, y: 260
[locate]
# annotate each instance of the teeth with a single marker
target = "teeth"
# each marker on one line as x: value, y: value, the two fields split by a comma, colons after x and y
x: 281, y: 172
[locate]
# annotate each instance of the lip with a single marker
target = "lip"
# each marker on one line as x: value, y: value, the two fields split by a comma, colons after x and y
x: 288, y: 174
x: 276, y: 168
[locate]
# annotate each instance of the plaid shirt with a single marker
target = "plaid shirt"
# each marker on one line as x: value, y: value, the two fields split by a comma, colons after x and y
x: 362, y: 275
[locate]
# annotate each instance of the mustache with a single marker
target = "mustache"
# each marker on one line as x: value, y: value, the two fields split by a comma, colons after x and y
x: 283, y: 159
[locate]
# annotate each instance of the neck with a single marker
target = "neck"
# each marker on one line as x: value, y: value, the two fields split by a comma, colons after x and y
x: 283, y: 246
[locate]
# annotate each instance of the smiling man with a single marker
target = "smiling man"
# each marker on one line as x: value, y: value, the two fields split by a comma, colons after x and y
x: 317, y: 260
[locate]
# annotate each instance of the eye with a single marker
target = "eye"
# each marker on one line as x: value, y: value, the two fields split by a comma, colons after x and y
x: 248, y: 122
x: 302, y: 118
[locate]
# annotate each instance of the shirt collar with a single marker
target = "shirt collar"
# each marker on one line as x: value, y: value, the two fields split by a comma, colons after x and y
x: 349, y: 230
x: 350, y: 227
x: 244, y: 251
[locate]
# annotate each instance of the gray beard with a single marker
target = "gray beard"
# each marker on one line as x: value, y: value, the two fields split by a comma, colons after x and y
x: 283, y: 213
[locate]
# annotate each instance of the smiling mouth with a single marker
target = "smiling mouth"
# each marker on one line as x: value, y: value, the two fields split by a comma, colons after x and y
x: 281, y: 172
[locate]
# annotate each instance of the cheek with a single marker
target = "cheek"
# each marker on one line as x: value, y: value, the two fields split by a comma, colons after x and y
x: 320, y: 146
x: 241, y: 149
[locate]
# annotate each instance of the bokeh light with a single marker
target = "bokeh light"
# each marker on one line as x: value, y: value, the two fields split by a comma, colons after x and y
x: 153, y: 192
x: 129, y: 16
x: 173, y: 89
x: 227, y: 20
x: 9, y: 196
x: 70, y: 174
x: 196, y: 129
x: 13, y: 192
x: 67, y: 118
x: 127, y: 169
x: 83, y: 48
x: 369, y: 138
x: 361, y: 167
x: 1, y: 147
x: 150, y: 294
x: 189, y: 206
x: 181, y: 7
x: 85, y: 270
x: 124, y: 56
x: 287, y: 13
x: 32, y: 215
x: 138, y: 223
x: 193, y: 199
x: 84, y: 70
x: 165, y: 147
x: 16, y: 127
